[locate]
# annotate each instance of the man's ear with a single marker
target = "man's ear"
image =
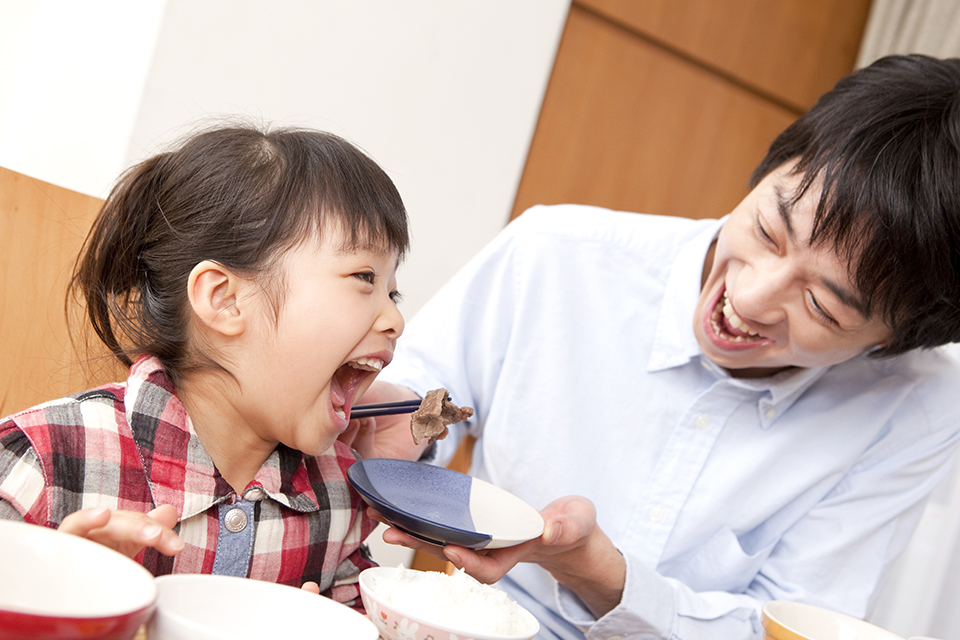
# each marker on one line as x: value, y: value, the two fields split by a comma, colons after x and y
x: 215, y: 297
x: 879, y: 346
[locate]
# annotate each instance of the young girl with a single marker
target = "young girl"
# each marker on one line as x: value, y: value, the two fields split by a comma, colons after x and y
x: 248, y: 279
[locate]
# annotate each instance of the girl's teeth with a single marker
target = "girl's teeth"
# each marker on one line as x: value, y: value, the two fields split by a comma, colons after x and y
x: 367, y: 364
x: 340, y: 412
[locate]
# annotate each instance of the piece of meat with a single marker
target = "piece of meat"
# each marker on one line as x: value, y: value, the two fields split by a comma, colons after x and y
x: 435, y: 413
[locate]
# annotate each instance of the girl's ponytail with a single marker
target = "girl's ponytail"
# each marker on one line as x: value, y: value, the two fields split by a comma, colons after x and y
x: 111, y: 277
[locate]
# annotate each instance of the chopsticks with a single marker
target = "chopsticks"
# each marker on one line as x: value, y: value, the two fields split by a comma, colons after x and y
x: 384, y: 409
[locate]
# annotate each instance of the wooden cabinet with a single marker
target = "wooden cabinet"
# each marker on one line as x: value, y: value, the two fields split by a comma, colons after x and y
x: 666, y: 106
x: 790, y: 50
x: 43, y: 227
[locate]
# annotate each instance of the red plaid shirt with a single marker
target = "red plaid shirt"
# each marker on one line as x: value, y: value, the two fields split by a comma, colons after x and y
x: 131, y: 446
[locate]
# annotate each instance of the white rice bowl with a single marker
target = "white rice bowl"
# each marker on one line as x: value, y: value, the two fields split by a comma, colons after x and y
x: 406, y: 604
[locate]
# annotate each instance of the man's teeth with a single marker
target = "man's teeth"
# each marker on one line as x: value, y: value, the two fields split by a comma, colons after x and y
x: 367, y: 364
x: 733, y: 320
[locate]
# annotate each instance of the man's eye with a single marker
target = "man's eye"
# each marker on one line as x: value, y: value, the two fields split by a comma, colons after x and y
x: 826, y: 317
x: 763, y: 232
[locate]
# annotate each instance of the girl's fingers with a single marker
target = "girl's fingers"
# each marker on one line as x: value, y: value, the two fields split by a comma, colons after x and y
x: 169, y: 542
x: 126, y: 531
x: 165, y: 514
x: 80, y: 523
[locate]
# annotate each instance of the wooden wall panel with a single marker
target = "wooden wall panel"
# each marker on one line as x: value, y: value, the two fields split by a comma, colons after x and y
x: 630, y: 126
x: 793, y: 49
x: 43, y: 227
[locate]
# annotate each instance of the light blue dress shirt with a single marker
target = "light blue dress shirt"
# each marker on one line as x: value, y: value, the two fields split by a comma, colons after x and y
x: 571, y: 335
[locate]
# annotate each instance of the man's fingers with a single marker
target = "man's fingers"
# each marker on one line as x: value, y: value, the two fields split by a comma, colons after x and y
x: 567, y: 521
x: 486, y: 566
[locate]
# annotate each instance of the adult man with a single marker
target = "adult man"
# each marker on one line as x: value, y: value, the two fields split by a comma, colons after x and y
x: 751, y: 408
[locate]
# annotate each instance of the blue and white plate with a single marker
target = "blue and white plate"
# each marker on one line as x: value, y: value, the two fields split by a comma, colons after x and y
x: 442, y: 506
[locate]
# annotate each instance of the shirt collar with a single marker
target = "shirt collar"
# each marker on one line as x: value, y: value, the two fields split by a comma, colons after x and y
x: 778, y: 392
x: 675, y: 344
x: 178, y: 468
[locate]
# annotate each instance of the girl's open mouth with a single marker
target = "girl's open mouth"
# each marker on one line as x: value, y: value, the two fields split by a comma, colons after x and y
x: 347, y: 379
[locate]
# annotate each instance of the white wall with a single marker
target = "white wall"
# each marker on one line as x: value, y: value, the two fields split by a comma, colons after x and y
x: 443, y: 94
x: 71, y: 79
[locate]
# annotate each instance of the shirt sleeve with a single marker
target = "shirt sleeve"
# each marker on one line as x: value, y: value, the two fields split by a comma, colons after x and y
x: 21, y: 477
x: 7, y: 512
x: 345, y: 588
x: 835, y: 556
x: 656, y: 607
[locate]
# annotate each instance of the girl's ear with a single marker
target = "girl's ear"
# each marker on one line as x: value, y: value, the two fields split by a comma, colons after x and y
x: 214, y: 294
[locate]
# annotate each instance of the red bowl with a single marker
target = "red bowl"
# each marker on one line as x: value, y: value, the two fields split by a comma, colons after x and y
x: 57, y: 585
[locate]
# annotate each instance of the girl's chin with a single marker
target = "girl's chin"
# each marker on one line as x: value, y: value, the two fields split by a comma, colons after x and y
x: 319, y: 448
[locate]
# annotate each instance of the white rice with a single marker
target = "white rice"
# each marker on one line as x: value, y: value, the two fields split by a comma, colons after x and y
x: 456, y: 601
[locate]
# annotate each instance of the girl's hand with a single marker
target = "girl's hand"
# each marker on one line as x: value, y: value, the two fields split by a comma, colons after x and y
x: 311, y: 587
x: 386, y: 436
x: 572, y: 548
x: 127, y: 531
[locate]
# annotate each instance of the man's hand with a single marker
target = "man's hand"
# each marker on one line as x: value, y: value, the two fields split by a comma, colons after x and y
x: 385, y: 436
x: 572, y: 548
x: 127, y: 531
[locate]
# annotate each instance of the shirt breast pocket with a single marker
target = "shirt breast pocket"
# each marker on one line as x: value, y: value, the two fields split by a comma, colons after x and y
x: 720, y: 564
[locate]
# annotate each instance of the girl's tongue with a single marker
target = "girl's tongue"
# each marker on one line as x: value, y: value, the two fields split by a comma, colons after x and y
x: 343, y: 386
x: 337, y: 397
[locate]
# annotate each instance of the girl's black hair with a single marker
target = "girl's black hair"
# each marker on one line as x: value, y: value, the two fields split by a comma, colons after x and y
x: 237, y: 195
x: 885, y: 142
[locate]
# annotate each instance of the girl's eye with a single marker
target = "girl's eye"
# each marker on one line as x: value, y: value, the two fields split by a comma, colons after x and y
x: 819, y: 311
x: 396, y: 296
x: 366, y: 276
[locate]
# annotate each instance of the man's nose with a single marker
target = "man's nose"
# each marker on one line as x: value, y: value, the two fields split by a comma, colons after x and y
x: 761, y: 293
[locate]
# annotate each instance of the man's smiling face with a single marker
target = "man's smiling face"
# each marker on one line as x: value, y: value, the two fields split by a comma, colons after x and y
x: 769, y: 299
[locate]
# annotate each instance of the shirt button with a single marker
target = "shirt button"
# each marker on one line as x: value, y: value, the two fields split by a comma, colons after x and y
x: 703, y: 421
x: 235, y: 520
x: 770, y: 413
x: 656, y: 514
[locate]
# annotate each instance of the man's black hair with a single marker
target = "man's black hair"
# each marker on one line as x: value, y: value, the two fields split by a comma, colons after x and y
x: 885, y: 142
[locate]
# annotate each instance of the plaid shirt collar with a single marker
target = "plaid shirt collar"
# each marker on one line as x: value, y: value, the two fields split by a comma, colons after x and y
x: 179, y: 470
